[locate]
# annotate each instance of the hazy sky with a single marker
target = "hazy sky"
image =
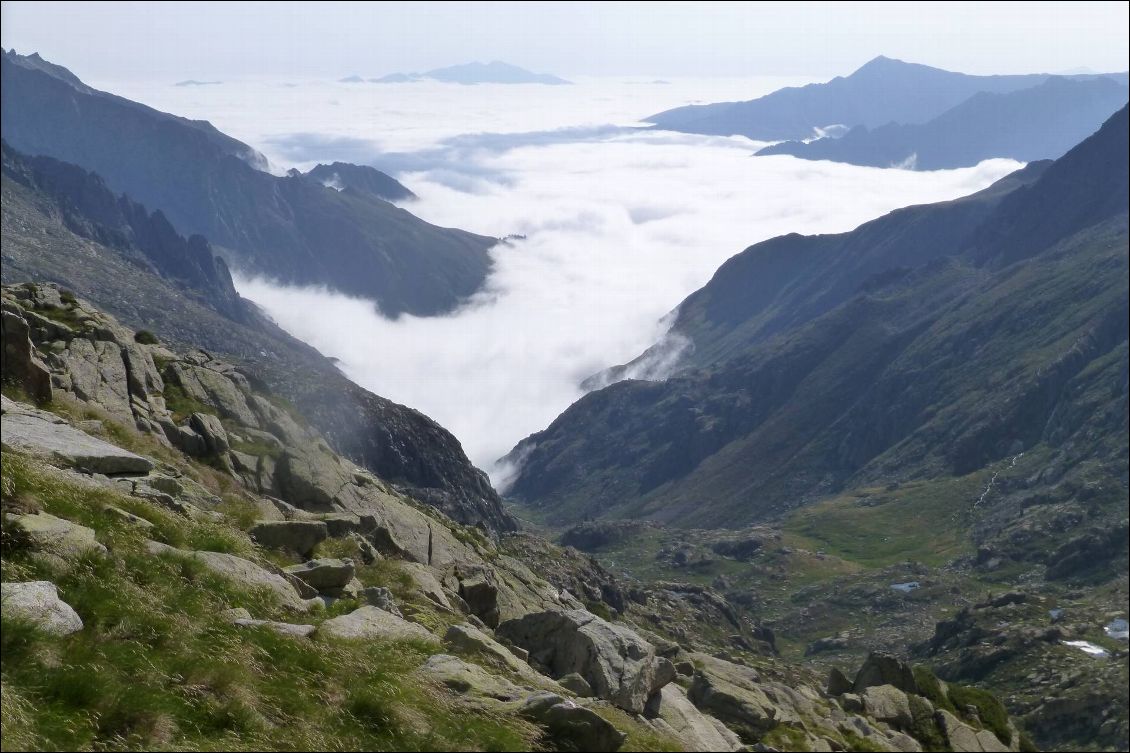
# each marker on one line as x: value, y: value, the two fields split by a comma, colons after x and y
x: 215, y: 40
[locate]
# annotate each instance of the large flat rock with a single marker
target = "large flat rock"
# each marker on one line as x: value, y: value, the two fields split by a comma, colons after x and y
x: 38, y: 602
x: 371, y: 622
x: 37, y: 432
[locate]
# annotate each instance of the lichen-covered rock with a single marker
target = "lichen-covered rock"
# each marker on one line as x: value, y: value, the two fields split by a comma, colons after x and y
x: 282, y: 628
x: 620, y: 666
x: 38, y: 602
x: 371, y: 622
x: 327, y: 576
x: 58, y: 536
x: 696, y: 730
x: 887, y: 703
x: 37, y: 432
x: 298, y: 536
x: 211, y: 430
x: 469, y: 679
x: 571, y: 726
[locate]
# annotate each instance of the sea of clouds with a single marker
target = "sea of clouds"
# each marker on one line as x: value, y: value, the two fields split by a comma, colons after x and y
x: 619, y: 224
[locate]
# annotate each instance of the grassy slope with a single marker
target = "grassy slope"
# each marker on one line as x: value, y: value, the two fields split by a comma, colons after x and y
x: 157, y: 667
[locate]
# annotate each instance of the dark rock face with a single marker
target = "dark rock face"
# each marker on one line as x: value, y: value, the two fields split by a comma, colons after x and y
x: 291, y: 228
x: 91, y: 210
x: 884, y: 669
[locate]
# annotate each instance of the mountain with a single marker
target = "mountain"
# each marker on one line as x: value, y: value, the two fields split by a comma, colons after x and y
x: 880, y: 92
x: 291, y: 228
x: 166, y: 515
x: 495, y: 72
x: 64, y: 225
x: 1042, y: 122
x: 931, y: 343
x: 365, y: 180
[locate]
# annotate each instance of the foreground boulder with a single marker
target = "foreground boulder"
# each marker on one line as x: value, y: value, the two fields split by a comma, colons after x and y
x: 327, y: 576
x: 38, y: 602
x: 371, y: 622
x: 571, y: 726
x: 469, y: 679
x: 618, y: 665
x: 298, y: 536
x: 58, y: 536
x: 696, y: 730
x: 43, y: 434
x: 884, y: 669
x: 244, y: 572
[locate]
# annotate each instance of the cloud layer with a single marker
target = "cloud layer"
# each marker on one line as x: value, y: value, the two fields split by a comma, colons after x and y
x: 619, y: 225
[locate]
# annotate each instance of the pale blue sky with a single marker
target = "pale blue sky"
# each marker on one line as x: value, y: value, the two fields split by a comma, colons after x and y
x: 216, y: 40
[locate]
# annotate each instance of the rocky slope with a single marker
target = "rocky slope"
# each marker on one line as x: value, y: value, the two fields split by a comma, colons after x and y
x: 292, y: 228
x: 880, y: 92
x: 931, y: 343
x: 172, y: 519
x: 1042, y: 122
x: 64, y: 225
x: 895, y: 423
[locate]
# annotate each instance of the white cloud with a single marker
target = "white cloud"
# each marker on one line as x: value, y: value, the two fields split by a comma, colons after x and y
x: 620, y: 225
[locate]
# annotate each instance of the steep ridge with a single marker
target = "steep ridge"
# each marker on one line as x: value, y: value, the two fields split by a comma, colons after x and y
x: 62, y: 224
x: 367, y: 180
x: 293, y: 228
x: 929, y: 343
x: 880, y: 92
x: 1042, y: 122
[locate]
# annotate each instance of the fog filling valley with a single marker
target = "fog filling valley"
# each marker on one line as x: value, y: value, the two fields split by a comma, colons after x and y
x: 619, y: 225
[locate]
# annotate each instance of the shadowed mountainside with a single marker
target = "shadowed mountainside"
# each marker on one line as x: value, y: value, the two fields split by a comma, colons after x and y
x: 932, y: 342
x: 293, y: 228
x: 62, y: 224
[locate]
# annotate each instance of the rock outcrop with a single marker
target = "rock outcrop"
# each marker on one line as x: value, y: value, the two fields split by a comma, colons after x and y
x: 38, y: 602
x: 618, y: 665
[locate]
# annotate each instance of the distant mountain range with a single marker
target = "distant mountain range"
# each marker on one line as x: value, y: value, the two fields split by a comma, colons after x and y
x: 495, y: 72
x: 927, y: 344
x: 1041, y: 122
x: 293, y: 228
x: 881, y: 92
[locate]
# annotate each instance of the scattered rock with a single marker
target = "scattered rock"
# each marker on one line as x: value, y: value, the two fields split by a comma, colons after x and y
x: 960, y: 736
x: 282, y: 628
x: 696, y: 730
x: 620, y: 666
x: 58, y: 536
x: 571, y: 726
x: 887, y: 703
x: 469, y: 639
x: 38, y: 602
x: 326, y: 576
x: 381, y: 598
x: 838, y: 683
x: 371, y: 622
x: 426, y: 584
x: 469, y: 679
x: 576, y: 684
x: 128, y: 517
x: 37, y: 432
x: 298, y: 536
